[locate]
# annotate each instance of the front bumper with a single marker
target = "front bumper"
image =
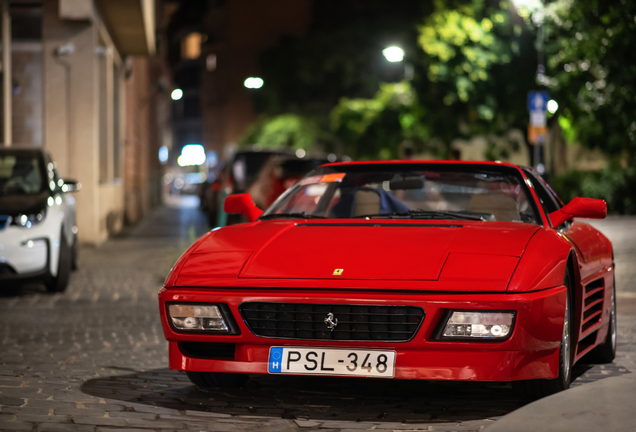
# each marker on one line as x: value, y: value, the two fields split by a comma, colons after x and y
x: 531, y: 352
x: 25, y: 254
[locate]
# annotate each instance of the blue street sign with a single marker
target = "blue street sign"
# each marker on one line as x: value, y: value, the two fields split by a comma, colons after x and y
x: 538, y: 100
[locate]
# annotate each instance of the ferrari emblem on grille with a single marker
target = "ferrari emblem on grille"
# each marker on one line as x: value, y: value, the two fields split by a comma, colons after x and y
x: 331, y: 322
x: 338, y: 272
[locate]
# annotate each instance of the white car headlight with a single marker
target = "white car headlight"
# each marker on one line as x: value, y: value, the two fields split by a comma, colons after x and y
x: 198, y: 318
x: 478, y: 325
x: 28, y: 220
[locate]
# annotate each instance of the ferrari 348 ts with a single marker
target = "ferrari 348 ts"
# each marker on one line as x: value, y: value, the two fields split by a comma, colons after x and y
x: 469, y: 271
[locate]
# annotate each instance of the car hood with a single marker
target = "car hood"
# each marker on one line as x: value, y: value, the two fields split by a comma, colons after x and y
x: 412, y: 250
x: 22, y: 204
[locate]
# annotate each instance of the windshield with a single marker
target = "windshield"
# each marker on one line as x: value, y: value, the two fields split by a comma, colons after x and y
x: 20, y: 174
x: 409, y: 191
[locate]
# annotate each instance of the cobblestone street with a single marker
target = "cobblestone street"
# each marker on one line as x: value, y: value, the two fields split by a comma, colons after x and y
x: 94, y: 358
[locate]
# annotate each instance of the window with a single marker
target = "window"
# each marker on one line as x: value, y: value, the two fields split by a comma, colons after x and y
x: 191, y: 46
x: 546, y: 197
x: 20, y: 174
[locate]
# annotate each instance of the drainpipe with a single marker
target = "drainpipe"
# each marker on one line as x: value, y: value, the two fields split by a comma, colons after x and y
x: 6, y: 69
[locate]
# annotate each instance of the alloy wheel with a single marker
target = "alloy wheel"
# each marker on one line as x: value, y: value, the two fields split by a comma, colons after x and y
x: 565, y: 343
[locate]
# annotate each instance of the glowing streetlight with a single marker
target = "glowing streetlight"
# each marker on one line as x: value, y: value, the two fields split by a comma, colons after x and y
x: 393, y: 54
x: 191, y: 154
x: 176, y: 94
x: 163, y: 154
x: 552, y: 106
x: 531, y: 5
x: 253, y: 83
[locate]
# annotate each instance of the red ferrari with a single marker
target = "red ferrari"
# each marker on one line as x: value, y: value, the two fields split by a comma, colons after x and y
x: 470, y: 271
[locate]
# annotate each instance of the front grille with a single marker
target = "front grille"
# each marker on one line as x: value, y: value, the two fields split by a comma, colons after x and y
x: 355, y: 322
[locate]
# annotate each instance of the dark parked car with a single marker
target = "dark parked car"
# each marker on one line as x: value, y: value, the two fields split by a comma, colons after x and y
x: 278, y: 175
x: 236, y: 175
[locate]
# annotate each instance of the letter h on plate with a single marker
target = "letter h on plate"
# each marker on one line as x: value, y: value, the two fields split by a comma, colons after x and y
x: 275, y: 359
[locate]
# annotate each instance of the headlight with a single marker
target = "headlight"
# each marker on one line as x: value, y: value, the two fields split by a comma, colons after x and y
x: 478, y: 325
x: 199, y: 318
x: 28, y: 220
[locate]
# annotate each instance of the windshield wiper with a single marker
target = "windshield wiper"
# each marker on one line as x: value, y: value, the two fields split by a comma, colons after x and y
x: 301, y: 215
x: 427, y: 214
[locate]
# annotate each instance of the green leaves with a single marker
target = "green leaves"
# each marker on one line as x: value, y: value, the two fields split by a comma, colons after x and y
x: 474, y: 62
x: 591, y: 57
x: 463, y: 42
x: 614, y: 184
x: 379, y: 127
x: 286, y: 130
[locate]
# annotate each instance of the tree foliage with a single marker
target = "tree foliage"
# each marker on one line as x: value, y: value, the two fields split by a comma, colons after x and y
x: 463, y: 41
x: 614, y: 185
x: 592, y: 64
x: 380, y: 126
x: 478, y: 62
x: 284, y: 131
x: 471, y: 74
x: 474, y: 62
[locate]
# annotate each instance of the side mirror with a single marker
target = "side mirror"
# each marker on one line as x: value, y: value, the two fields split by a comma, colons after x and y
x: 579, y: 207
x: 242, y: 204
x: 71, y: 186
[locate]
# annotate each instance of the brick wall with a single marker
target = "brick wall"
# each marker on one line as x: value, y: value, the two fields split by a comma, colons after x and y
x: 144, y: 133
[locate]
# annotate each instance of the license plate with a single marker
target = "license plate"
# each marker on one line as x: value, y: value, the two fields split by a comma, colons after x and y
x: 323, y: 361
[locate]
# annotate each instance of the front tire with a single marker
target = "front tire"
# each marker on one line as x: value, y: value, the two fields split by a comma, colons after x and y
x: 59, y: 282
x: 213, y: 379
x: 75, y: 253
x: 536, y: 389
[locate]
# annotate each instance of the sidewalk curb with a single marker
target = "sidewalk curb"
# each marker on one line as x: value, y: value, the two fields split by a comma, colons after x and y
x: 606, y: 405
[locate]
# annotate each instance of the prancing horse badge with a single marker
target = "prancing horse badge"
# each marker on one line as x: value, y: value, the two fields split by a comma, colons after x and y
x: 338, y: 272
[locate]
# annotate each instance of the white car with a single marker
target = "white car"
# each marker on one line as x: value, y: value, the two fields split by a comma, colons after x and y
x: 38, y: 233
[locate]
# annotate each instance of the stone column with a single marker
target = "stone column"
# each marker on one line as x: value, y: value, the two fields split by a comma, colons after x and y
x: 6, y: 75
x: 71, y: 125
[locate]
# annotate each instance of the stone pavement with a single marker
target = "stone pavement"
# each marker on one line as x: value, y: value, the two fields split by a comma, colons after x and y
x: 94, y: 359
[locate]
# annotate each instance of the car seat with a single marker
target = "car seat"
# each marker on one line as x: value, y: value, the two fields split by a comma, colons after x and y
x: 366, y: 201
x: 502, y: 207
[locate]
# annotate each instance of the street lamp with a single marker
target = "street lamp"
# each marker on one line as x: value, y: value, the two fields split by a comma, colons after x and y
x: 253, y: 83
x: 163, y: 154
x: 393, y: 54
x: 192, y: 154
x: 176, y: 94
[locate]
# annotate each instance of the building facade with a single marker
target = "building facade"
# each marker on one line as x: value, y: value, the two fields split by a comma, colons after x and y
x: 87, y: 85
x: 214, y: 46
